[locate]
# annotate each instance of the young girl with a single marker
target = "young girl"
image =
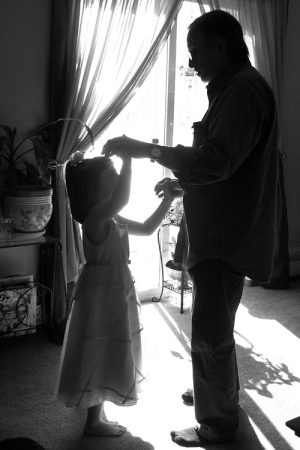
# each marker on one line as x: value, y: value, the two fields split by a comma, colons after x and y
x: 101, y: 356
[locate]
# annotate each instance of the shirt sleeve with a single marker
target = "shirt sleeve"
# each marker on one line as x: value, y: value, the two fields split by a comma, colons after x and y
x: 235, y: 125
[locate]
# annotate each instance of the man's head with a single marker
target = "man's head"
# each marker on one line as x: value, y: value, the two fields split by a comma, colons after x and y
x: 215, y: 41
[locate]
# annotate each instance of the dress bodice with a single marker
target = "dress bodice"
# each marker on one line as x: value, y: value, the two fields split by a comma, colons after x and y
x: 113, y: 251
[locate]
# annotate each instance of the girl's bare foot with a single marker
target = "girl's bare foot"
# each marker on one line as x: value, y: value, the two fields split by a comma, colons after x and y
x: 104, y: 429
x: 97, y: 425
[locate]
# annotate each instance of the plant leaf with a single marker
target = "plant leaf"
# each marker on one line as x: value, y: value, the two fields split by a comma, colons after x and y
x: 67, y: 119
x: 32, y: 174
x: 42, y: 155
x: 11, y: 135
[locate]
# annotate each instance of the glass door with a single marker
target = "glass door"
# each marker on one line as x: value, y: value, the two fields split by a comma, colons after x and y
x: 143, y: 118
x: 164, y: 108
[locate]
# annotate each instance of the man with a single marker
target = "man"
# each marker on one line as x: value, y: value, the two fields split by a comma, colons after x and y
x: 229, y: 179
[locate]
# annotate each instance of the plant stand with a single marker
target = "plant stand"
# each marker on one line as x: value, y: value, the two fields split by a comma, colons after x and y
x: 50, y: 247
x: 172, y: 284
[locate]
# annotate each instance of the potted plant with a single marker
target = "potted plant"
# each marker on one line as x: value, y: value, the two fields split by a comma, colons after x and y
x: 174, y: 266
x: 26, y: 186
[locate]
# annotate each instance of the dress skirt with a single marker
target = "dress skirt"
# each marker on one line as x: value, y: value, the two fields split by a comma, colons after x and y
x: 102, y: 351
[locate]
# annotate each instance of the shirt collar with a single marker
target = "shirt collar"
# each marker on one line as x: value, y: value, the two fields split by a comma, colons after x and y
x: 214, y: 87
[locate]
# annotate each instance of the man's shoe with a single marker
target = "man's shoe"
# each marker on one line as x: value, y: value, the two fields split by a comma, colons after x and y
x: 188, y: 397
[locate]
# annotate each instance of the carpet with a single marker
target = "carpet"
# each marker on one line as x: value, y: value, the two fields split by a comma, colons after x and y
x: 268, y: 347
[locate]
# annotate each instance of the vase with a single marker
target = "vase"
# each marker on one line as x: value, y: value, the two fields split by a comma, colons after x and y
x: 29, y: 207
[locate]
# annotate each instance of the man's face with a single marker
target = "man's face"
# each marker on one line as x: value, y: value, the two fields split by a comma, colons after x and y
x: 205, y: 57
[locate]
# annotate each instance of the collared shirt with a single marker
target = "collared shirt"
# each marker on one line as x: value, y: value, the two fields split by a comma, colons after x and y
x: 230, y: 175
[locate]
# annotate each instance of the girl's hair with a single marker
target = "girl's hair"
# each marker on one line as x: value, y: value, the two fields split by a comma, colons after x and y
x: 221, y: 24
x: 83, y: 184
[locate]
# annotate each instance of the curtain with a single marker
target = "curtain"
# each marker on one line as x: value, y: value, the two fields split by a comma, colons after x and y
x: 102, y: 51
x: 264, y: 24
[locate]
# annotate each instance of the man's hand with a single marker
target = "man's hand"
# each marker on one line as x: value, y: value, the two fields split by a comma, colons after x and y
x: 173, y: 186
x: 126, y: 146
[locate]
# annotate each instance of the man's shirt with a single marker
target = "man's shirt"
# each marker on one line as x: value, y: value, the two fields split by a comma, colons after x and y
x: 230, y: 175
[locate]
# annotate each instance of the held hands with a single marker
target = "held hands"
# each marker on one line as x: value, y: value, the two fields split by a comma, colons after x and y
x: 124, y: 146
x: 168, y: 187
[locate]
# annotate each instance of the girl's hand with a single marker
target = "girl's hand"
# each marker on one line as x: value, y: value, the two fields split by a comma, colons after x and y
x: 125, y: 146
x: 164, y: 190
x: 125, y: 158
x: 173, y: 186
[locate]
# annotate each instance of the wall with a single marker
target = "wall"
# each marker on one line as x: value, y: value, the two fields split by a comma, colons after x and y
x: 291, y: 131
x: 25, y: 30
x: 25, y: 52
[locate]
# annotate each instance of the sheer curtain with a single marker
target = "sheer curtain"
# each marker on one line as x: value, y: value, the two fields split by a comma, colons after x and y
x: 264, y: 23
x: 102, y: 51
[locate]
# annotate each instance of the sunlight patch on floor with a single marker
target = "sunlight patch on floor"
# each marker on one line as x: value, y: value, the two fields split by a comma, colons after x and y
x: 160, y: 408
x: 269, y: 337
x: 262, y: 438
x: 274, y: 385
x: 180, y: 332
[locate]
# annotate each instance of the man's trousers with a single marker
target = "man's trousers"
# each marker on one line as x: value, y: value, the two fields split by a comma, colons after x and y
x: 217, y: 291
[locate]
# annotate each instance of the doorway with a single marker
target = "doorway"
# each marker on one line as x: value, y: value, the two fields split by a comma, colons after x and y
x: 164, y: 108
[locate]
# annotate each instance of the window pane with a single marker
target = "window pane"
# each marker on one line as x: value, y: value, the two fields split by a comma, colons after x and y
x: 143, y: 118
x: 190, y: 92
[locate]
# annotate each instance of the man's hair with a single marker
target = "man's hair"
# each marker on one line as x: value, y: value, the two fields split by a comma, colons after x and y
x: 83, y: 185
x: 220, y: 24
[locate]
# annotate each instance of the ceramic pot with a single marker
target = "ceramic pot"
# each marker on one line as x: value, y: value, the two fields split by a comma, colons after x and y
x: 29, y: 207
x: 174, y: 271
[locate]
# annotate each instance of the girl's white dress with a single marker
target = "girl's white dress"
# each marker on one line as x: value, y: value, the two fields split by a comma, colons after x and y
x: 102, y: 351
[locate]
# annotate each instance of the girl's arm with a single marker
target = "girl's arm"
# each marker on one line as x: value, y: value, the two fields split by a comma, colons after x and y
x: 121, y: 192
x: 96, y: 223
x: 104, y: 211
x: 148, y: 227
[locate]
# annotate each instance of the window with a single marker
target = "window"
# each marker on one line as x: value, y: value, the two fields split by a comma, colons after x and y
x: 164, y: 108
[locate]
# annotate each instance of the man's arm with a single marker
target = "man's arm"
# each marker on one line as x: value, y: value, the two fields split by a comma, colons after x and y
x: 234, y: 130
x: 139, y: 149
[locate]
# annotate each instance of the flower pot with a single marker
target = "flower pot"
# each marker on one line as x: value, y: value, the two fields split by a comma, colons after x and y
x: 174, y: 271
x: 29, y: 207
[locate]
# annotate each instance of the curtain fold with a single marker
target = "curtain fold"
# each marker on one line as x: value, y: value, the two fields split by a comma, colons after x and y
x: 102, y: 51
x: 56, y: 110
